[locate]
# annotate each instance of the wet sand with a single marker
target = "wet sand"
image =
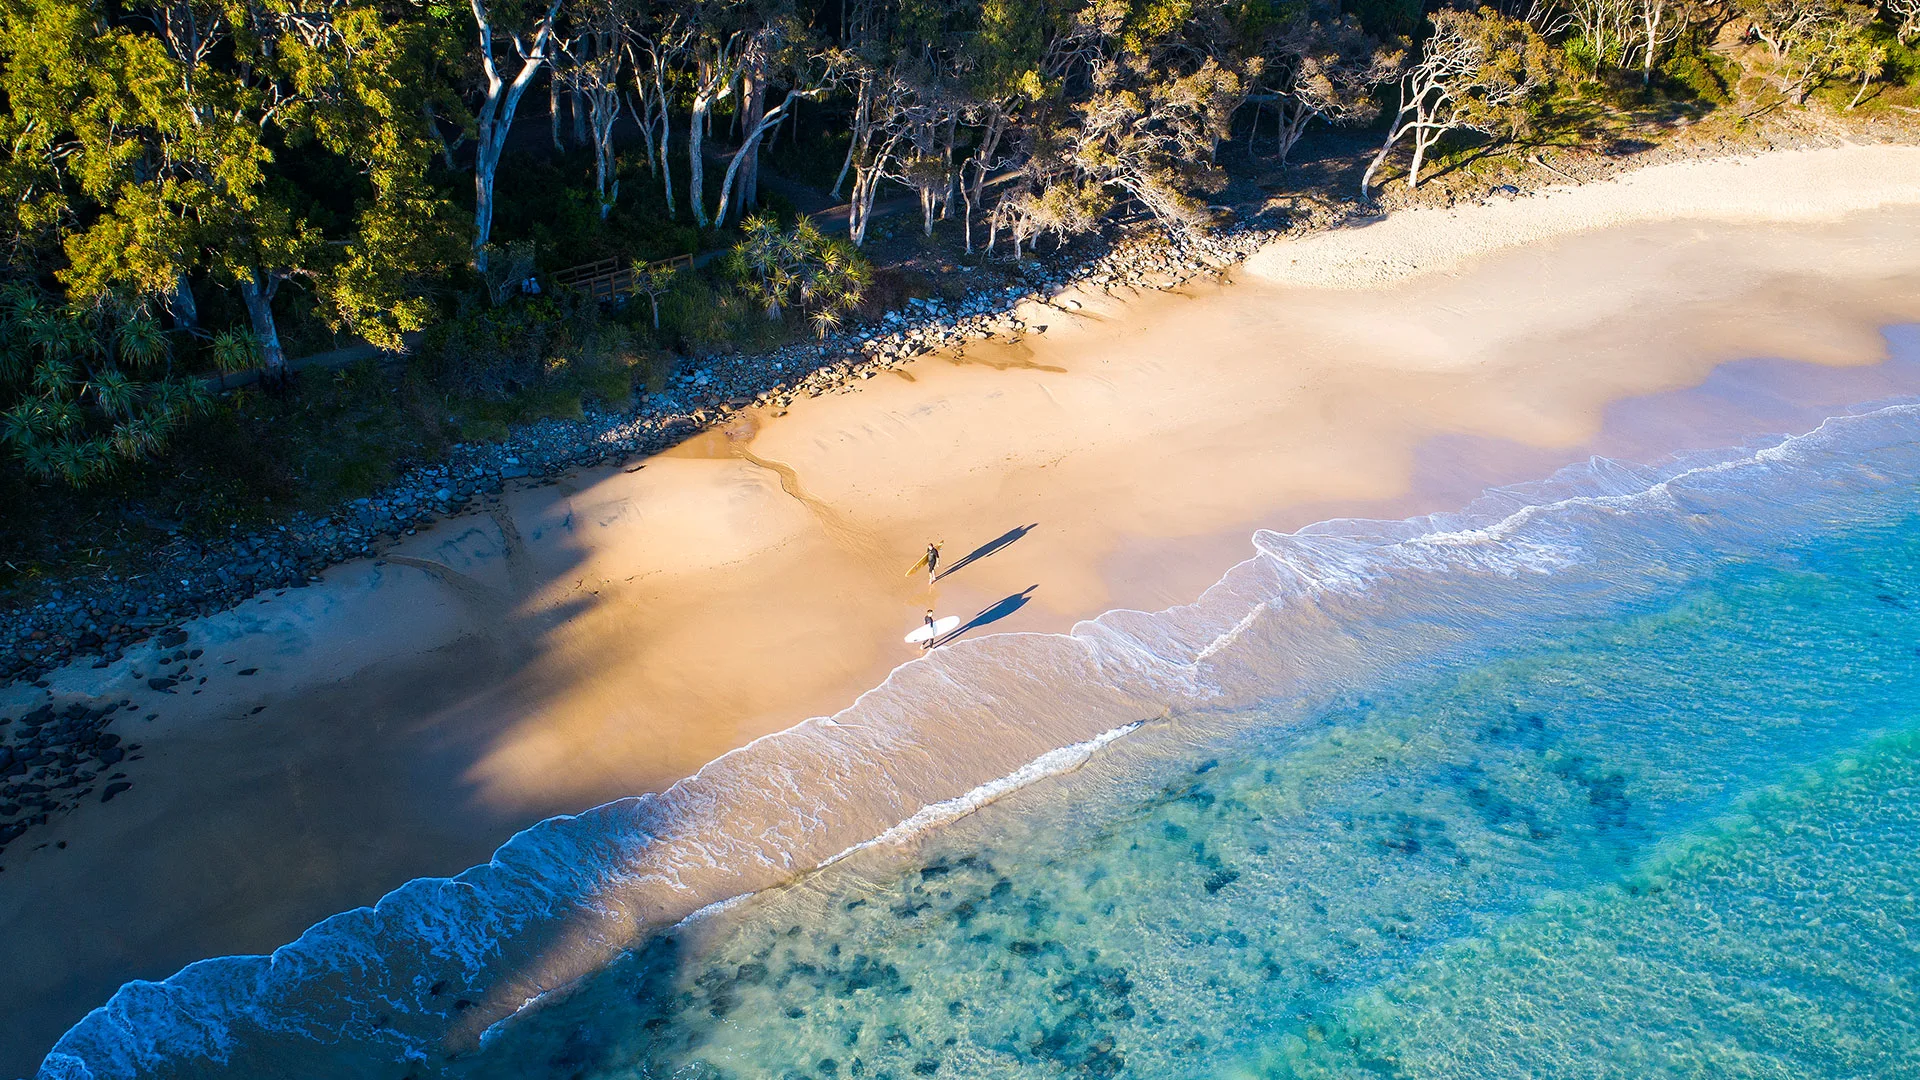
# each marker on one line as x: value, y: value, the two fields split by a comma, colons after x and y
x: 610, y: 633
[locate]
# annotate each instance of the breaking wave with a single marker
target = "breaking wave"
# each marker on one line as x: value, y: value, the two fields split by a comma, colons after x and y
x: 439, y: 962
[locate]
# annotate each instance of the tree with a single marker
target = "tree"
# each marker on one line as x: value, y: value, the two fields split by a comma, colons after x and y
x: 656, y: 39
x: 1905, y: 16
x: 655, y: 282
x: 1657, y: 24
x: 1865, y: 58
x: 171, y: 143
x: 82, y: 392
x: 882, y: 120
x: 528, y: 27
x: 593, y: 74
x: 1475, y: 73
x: 1153, y: 138
x: 802, y: 270
x: 1603, y: 32
x: 754, y: 130
x: 716, y: 64
x: 1812, y: 42
x: 1320, y: 65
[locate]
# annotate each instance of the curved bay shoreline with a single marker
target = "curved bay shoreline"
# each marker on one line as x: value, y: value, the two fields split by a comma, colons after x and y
x: 401, y: 719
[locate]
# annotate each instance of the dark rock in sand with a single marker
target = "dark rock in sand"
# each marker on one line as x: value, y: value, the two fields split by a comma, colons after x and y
x: 114, y: 789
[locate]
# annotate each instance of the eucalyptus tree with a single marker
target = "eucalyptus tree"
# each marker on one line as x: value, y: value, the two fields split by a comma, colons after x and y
x: 1601, y: 34
x: 1905, y: 16
x: 720, y: 49
x: 1812, y: 42
x: 656, y: 39
x: 1138, y: 107
x: 515, y: 41
x: 808, y: 77
x: 1318, y: 64
x: 1657, y: 24
x: 1476, y: 72
x: 594, y: 56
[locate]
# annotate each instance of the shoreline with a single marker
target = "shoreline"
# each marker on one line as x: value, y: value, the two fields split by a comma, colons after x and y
x: 225, y: 572
x: 1071, y: 430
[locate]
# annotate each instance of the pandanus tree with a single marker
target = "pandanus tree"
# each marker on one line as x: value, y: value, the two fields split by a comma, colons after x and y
x: 801, y: 270
x: 84, y: 391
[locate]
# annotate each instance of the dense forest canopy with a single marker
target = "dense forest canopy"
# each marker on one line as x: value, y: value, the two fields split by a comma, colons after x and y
x: 184, y: 178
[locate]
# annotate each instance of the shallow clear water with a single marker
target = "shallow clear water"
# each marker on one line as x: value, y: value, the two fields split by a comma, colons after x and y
x: 1682, y: 840
x: 1609, y: 775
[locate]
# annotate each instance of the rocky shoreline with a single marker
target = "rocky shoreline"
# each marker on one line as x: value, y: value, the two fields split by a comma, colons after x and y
x: 58, y: 754
x: 102, y: 617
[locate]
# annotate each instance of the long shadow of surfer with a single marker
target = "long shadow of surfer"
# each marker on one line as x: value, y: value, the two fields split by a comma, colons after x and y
x: 988, y: 548
x: 1000, y: 610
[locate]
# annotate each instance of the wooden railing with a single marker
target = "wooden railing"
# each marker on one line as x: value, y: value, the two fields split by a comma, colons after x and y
x: 610, y: 279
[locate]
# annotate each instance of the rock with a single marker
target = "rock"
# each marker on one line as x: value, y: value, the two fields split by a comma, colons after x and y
x: 114, y: 789
x: 160, y: 684
x: 170, y: 638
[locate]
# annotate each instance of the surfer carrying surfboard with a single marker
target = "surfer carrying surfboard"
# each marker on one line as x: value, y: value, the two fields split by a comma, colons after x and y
x: 929, y: 635
x: 931, y: 560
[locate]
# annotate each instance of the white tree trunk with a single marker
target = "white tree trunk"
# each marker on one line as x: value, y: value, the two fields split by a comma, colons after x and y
x: 496, y: 114
x: 748, y: 150
x: 186, y: 313
x: 257, y: 289
x: 696, y: 140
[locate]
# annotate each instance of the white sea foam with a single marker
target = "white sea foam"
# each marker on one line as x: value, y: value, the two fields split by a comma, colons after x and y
x: 439, y: 963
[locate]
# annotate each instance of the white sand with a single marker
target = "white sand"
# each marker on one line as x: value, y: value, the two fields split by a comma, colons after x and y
x: 1788, y: 186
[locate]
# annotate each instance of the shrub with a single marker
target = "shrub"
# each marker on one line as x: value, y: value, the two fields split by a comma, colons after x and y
x: 83, y: 393
x: 800, y: 271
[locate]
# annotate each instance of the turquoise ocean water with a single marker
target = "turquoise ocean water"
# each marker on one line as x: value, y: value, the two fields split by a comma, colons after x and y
x: 1616, y: 775
x: 1684, y: 842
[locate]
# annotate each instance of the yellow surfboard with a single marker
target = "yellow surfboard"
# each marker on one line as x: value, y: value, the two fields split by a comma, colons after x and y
x: 918, y: 565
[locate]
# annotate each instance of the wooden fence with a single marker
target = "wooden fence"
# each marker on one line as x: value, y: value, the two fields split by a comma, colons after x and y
x: 610, y: 279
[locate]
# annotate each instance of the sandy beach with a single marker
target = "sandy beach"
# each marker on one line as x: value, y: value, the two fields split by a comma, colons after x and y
x: 610, y: 633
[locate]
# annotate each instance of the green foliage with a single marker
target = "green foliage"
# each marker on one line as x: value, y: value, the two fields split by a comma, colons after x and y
x: 82, y: 394
x: 800, y: 271
x: 1699, y: 74
x: 545, y: 201
x: 235, y: 351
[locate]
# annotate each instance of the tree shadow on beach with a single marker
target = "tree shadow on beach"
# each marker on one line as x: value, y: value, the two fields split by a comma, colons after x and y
x: 1000, y: 609
x: 988, y: 548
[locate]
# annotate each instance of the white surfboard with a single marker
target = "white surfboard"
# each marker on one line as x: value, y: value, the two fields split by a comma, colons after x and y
x: 940, y: 628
